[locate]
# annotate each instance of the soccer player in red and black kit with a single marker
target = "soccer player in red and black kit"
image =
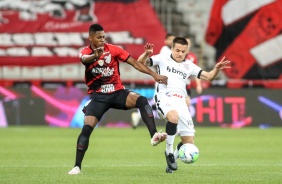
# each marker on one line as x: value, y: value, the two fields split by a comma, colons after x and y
x: 106, y: 90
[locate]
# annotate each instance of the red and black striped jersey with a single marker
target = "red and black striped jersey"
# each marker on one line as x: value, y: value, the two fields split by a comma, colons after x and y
x: 103, y: 75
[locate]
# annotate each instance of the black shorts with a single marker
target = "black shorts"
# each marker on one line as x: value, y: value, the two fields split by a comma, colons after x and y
x: 101, y: 102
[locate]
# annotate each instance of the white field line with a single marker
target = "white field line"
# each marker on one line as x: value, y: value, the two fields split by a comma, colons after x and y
x: 141, y: 165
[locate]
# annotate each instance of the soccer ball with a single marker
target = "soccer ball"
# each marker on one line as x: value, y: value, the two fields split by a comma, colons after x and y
x: 188, y: 153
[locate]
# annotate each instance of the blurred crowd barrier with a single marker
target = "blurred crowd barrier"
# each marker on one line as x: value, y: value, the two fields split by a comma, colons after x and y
x: 217, y: 106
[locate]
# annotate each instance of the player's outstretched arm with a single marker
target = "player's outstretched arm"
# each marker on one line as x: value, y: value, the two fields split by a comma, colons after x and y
x: 144, y: 69
x: 144, y: 57
x: 210, y: 76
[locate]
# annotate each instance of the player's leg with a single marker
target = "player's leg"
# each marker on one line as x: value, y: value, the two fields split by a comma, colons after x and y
x: 171, y: 127
x: 186, y: 132
x: 188, y: 101
x: 135, y: 119
x: 83, y: 142
x: 188, y: 98
x: 184, y: 140
x: 167, y: 111
x: 94, y: 113
x: 136, y: 116
x: 135, y: 100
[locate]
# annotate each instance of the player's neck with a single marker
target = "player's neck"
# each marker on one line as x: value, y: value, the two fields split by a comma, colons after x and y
x: 176, y: 60
x: 94, y: 47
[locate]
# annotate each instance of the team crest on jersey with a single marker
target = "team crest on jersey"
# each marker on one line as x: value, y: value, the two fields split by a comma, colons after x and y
x: 101, y: 62
x: 186, y: 65
x: 108, y: 58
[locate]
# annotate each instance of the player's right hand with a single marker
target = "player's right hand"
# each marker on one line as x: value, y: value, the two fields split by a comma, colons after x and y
x: 149, y: 48
x: 161, y: 79
x: 98, y: 52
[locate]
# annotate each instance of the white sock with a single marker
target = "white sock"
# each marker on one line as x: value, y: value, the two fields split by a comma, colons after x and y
x: 176, y: 153
x: 169, y: 143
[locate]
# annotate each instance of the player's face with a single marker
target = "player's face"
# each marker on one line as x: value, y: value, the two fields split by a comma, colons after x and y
x: 97, y: 38
x: 179, y: 52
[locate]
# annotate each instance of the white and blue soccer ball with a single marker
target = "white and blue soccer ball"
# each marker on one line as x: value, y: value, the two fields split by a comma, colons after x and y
x: 188, y: 153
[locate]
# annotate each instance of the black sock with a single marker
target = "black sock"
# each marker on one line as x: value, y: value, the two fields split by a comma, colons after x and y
x: 82, y: 144
x: 146, y: 114
x: 171, y: 128
x: 179, y: 145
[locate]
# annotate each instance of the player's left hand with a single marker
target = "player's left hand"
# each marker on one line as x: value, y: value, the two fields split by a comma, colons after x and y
x: 222, y: 64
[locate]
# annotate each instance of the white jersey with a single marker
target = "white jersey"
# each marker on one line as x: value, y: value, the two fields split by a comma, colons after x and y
x: 177, y: 73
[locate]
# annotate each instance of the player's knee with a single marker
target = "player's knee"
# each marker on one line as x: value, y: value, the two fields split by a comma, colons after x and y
x: 90, y: 121
x: 172, y: 116
x: 142, y: 103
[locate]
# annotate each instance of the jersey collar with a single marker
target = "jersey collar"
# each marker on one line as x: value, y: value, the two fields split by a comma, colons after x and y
x: 174, y: 60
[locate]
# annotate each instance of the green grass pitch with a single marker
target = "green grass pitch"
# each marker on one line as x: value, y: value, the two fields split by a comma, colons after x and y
x: 36, y: 155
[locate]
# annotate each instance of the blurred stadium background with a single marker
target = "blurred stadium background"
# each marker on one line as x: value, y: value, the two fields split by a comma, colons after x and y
x: 42, y: 82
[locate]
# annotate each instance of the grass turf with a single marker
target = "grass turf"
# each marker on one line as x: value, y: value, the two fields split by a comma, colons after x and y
x: 120, y: 156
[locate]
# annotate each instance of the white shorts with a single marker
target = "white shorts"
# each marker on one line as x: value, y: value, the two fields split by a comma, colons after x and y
x: 172, y: 101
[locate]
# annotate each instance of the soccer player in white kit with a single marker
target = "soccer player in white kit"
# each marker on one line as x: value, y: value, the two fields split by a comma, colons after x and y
x: 170, y: 98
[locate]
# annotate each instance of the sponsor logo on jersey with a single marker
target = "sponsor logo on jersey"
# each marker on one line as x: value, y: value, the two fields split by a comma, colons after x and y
x: 106, y: 72
x: 170, y: 94
x: 173, y: 70
x: 107, y: 88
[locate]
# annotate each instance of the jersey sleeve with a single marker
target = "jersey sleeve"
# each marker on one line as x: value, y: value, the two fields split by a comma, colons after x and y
x: 156, y: 59
x: 84, y: 51
x: 121, y: 54
x: 195, y: 70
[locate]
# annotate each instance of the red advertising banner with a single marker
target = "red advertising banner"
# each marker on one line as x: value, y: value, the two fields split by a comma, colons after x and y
x: 249, y: 35
x: 40, y: 33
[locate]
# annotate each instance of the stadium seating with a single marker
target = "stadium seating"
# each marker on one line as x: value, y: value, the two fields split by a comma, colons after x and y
x: 29, y: 72
x: 51, y: 72
x: 11, y: 72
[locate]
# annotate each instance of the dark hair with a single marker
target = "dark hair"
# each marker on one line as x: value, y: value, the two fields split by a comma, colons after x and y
x: 168, y: 35
x: 179, y: 40
x: 95, y: 27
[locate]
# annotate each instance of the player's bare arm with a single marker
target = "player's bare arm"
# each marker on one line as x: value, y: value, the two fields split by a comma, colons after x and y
x: 210, y: 76
x: 93, y: 57
x: 144, y: 69
x: 199, y: 87
x: 144, y: 57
